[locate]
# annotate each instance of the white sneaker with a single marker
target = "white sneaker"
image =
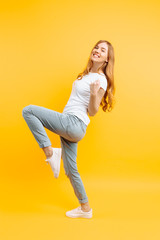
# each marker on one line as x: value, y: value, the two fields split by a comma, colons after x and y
x: 55, y: 161
x: 79, y: 213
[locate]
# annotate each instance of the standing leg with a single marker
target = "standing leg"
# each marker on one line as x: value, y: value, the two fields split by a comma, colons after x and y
x: 69, y: 156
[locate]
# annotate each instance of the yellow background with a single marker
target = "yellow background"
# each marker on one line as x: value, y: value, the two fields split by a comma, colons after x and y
x: 44, y: 45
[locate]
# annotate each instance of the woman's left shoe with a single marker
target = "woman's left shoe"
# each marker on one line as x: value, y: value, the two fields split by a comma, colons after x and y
x: 79, y: 213
x: 55, y: 161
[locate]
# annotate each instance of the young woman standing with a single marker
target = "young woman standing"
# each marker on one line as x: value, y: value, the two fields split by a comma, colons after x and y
x: 93, y: 87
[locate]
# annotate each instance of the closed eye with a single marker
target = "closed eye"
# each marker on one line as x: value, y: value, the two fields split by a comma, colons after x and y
x: 102, y: 48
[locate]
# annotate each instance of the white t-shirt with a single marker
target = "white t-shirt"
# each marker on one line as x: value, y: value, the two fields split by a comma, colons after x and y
x: 80, y: 95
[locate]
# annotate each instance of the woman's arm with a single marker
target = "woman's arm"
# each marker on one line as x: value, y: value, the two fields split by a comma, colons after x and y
x: 94, y: 102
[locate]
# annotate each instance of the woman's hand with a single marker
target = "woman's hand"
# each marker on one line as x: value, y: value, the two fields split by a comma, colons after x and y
x: 94, y: 87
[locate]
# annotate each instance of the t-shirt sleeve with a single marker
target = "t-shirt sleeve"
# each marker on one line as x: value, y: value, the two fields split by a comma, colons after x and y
x: 103, y: 82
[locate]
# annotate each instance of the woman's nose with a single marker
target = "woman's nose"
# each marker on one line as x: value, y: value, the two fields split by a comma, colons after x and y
x: 97, y: 52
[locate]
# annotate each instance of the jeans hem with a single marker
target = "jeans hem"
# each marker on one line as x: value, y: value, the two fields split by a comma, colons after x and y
x: 84, y: 200
x: 47, y: 144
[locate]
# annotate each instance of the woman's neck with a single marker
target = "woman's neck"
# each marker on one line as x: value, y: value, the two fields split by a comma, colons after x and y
x: 96, y: 71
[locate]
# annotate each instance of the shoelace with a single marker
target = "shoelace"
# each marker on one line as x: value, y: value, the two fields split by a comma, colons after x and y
x: 78, y: 208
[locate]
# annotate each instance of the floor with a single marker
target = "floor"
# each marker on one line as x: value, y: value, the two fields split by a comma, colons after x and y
x: 123, y: 209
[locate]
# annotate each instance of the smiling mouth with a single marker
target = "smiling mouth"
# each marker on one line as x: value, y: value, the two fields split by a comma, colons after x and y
x: 95, y: 55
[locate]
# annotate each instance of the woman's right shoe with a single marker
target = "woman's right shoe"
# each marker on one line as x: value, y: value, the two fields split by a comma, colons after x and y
x: 55, y: 161
x: 79, y: 213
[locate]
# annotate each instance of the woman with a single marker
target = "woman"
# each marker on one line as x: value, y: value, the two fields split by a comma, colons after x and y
x: 93, y: 87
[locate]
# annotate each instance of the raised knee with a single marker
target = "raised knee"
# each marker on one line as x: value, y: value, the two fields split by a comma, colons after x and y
x: 26, y: 109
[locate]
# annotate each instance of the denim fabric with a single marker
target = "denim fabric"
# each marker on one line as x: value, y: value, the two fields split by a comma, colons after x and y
x: 70, y: 128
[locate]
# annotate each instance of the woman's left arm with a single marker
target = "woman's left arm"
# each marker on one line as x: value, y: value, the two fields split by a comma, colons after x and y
x: 95, y: 99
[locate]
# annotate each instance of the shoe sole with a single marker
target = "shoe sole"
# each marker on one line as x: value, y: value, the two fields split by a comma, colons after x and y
x: 80, y: 216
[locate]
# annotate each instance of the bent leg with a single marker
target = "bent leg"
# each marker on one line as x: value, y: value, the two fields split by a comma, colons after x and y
x: 38, y: 117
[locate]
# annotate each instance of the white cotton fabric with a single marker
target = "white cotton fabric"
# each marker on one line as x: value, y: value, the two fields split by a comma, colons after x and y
x: 80, y: 95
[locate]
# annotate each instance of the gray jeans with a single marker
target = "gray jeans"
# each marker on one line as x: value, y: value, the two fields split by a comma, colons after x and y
x: 70, y: 128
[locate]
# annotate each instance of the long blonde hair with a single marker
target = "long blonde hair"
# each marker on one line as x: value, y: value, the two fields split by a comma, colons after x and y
x: 108, y: 100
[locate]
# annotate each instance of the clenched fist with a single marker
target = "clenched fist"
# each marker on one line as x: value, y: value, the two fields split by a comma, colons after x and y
x: 94, y: 87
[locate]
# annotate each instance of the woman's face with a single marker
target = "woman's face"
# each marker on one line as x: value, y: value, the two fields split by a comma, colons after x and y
x: 99, y: 53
